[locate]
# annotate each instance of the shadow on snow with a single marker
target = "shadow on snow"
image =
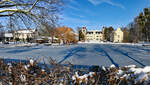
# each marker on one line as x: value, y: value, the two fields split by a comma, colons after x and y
x: 99, y: 49
x: 22, y: 49
x: 136, y: 48
x: 71, y: 52
x: 126, y: 54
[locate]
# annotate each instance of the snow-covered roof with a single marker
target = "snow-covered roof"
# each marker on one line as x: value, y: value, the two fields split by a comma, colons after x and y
x: 25, y: 31
x: 94, y: 30
x: 8, y: 35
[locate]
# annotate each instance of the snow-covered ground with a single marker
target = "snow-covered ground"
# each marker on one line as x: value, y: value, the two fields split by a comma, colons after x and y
x: 83, y: 54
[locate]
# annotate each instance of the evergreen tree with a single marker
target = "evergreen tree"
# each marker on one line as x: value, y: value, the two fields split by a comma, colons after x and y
x: 108, y: 33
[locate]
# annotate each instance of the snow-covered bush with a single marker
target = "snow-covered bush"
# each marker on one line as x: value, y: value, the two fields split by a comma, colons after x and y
x: 32, y: 73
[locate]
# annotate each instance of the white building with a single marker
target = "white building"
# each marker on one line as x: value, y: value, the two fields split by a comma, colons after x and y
x: 25, y: 33
x: 118, y: 35
x: 92, y: 35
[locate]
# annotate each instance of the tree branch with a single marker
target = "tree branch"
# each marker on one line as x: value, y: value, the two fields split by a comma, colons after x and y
x: 6, y: 15
x: 33, y: 5
x: 6, y: 6
x: 13, y: 10
x: 3, y: 1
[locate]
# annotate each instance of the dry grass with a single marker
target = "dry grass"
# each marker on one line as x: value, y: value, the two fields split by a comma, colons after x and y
x: 30, y: 73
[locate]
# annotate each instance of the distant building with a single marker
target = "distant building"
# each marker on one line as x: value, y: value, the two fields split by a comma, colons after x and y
x: 25, y: 33
x: 6, y: 36
x: 118, y: 35
x: 92, y: 35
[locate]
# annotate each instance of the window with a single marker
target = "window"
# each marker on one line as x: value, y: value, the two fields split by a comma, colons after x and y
x: 98, y: 32
x: 89, y: 32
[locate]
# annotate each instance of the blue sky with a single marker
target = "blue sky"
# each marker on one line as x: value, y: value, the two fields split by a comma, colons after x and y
x: 94, y: 14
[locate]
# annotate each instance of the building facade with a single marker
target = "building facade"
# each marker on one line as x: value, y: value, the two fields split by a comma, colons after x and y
x: 92, y: 35
x: 8, y: 37
x: 118, y: 35
x: 25, y: 33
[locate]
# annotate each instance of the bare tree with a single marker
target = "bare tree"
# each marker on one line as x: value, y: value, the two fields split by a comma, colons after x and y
x: 29, y: 13
x: 48, y: 29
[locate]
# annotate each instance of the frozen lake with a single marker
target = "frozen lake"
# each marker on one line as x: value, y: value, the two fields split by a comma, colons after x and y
x: 83, y: 54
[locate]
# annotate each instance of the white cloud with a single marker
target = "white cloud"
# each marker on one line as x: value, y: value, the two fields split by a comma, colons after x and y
x: 77, y: 15
x: 72, y: 7
x: 73, y: 20
x: 98, y: 2
x: 74, y: 2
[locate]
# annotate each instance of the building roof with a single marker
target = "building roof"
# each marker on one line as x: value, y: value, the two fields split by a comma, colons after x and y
x: 94, y: 30
x: 8, y: 35
x: 25, y: 31
x: 119, y: 29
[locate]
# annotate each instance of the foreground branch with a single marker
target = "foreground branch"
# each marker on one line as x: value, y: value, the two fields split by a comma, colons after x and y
x: 13, y: 10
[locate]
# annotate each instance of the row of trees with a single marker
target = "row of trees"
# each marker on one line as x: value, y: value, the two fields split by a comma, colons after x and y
x: 139, y: 29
